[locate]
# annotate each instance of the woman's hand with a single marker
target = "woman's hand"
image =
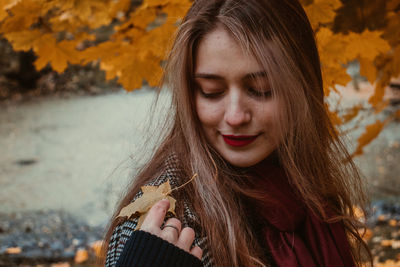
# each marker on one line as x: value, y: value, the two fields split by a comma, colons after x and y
x: 172, y: 229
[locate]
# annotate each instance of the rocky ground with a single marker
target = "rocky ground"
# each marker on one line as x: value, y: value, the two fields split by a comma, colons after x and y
x: 34, y: 238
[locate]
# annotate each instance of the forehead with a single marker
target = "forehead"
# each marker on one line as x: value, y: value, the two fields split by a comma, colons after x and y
x: 220, y: 54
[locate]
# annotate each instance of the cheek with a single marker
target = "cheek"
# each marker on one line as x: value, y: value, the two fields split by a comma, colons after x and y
x: 266, y: 113
x: 267, y: 117
x: 208, y: 113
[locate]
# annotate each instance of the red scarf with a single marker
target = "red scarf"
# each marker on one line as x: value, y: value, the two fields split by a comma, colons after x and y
x: 293, y: 234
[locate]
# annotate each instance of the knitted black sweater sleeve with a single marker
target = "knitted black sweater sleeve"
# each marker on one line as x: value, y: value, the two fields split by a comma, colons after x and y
x: 147, y: 250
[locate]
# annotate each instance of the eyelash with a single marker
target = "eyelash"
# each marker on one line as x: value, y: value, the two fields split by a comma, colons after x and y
x: 210, y: 95
x: 252, y: 91
x: 260, y: 94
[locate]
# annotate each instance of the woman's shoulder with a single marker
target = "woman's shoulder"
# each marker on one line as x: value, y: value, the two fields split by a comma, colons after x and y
x: 171, y: 171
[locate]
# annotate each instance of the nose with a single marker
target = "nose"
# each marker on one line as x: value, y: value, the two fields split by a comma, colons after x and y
x: 237, y: 109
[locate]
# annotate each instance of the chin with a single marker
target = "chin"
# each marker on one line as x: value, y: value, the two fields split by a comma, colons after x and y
x: 242, y: 161
x: 246, y: 158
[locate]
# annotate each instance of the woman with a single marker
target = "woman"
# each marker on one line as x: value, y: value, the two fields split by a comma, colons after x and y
x: 274, y: 185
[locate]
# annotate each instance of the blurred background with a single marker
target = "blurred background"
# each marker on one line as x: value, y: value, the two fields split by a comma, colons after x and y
x: 77, y: 81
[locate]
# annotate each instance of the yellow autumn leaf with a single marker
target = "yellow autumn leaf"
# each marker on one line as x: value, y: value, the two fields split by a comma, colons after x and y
x: 66, y: 22
x: 100, y: 14
x: 368, y: 44
x: 322, y: 11
x: 13, y: 250
x: 23, y: 40
x: 352, y: 113
x: 111, y: 71
x: 83, y: 36
x: 337, y: 49
x: 156, y: 42
x: 392, y: 29
x: 63, y: 5
x: 24, y: 14
x: 389, y: 67
x: 47, y: 49
x: 371, y: 132
x: 3, y: 9
x: 331, y: 47
x: 141, y: 17
x: 150, y: 48
x: 336, y: 120
x: 151, y: 195
x: 104, y: 51
x: 395, y: 62
x: 80, y: 13
x: 120, y: 56
x: 155, y: 3
x: 96, y: 247
x: 333, y: 75
x: 368, y: 69
x: 93, y: 13
x: 82, y: 9
x: 376, y: 98
x: 7, y: 4
x: 176, y: 10
x: 127, y: 32
x: 58, y: 54
x: 132, y: 76
x: 81, y: 255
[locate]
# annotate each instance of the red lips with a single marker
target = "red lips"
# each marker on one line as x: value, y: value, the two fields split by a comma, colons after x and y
x: 239, y: 140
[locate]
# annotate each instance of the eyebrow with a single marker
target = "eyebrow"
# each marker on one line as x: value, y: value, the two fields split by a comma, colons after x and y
x: 218, y: 77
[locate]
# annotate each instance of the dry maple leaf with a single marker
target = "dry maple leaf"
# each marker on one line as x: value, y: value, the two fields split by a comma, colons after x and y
x: 151, y: 195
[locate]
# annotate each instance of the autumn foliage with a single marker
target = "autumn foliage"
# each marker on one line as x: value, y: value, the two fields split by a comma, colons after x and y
x: 63, y: 32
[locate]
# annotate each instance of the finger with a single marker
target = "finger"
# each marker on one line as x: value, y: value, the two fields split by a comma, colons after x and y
x: 197, y: 252
x: 186, y: 239
x: 155, y: 216
x: 171, y: 230
x: 174, y: 222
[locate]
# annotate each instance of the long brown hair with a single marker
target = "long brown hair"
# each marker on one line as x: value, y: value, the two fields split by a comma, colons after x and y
x: 278, y: 34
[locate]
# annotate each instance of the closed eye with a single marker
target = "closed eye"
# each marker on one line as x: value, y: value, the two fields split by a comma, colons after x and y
x: 259, y: 93
x: 210, y: 95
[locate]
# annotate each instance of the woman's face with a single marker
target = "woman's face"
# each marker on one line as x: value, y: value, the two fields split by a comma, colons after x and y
x: 236, y: 115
